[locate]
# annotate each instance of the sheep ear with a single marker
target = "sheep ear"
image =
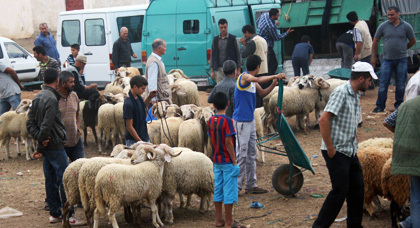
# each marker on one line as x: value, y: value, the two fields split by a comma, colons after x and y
x: 167, y: 157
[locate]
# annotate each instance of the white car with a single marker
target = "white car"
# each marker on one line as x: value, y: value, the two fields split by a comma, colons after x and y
x: 16, y: 57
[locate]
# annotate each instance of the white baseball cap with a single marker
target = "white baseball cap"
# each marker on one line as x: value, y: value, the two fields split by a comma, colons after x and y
x: 364, y: 67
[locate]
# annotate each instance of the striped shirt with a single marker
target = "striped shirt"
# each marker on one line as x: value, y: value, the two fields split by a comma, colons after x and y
x: 220, y: 127
x: 267, y: 29
x: 346, y: 109
x: 71, y: 59
x: 50, y: 64
x: 69, y: 108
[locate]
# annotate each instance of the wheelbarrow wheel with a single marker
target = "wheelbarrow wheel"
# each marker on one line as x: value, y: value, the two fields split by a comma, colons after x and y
x: 280, y: 180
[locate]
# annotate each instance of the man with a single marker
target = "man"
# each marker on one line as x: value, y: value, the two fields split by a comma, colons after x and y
x: 361, y: 37
x: 227, y: 86
x: 156, y: 73
x: 267, y: 28
x: 10, y: 87
x: 134, y: 111
x: 83, y: 91
x: 345, y: 45
x: 254, y: 44
x: 46, y: 62
x: 224, y: 47
x: 395, y: 32
x: 69, y: 108
x: 302, y: 56
x: 338, y: 125
x: 46, y: 40
x: 122, y: 50
x: 243, y: 118
x: 45, y: 125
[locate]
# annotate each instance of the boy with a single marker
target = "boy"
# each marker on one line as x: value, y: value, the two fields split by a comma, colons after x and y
x: 226, y: 170
x: 75, y: 48
x: 134, y: 111
x: 302, y: 56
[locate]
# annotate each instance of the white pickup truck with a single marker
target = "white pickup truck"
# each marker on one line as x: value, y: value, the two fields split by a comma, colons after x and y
x: 16, y: 57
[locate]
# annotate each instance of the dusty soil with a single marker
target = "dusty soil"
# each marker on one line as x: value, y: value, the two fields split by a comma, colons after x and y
x: 26, y: 192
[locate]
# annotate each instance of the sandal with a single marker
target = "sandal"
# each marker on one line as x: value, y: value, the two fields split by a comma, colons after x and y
x: 256, y: 190
x: 236, y: 224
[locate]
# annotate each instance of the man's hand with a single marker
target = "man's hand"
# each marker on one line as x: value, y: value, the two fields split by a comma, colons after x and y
x: 212, y: 76
x: 93, y: 85
x: 21, y: 86
x: 373, y: 61
x: 356, y: 58
x: 242, y: 41
x: 281, y: 76
x: 152, y: 94
x: 331, y: 152
x: 290, y: 30
x: 135, y: 56
x: 37, y: 155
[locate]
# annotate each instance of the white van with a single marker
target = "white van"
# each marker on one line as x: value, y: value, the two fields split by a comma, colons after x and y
x: 96, y: 30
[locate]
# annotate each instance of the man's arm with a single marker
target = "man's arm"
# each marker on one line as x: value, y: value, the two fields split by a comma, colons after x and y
x: 325, y: 128
x: 411, y: 43
x: 248, y: 49
x: 358, y: 40
x: 231, y: 151
x: 374, y: 51
x: 115, y: 49
x: 310, y: 58
x: 391, y: 121
x: 48, y: 121
x: 152, y: 94
x: 14, y: 76
x: 131, y: 130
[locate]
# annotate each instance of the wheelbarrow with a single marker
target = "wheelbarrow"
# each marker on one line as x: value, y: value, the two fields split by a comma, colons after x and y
x: 287, y: 179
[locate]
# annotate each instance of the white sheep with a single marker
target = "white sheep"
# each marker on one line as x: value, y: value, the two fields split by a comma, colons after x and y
x: 106, y: 124
x: 118, y: 184
x: 113, y: 88
x: 258, y: 113
x: 71, y: 188
x: 127, y: 72
x: 193, y: 134
x: 154, y: 131
x: 119, y: 121
x: 13, y: 124
x: 376, y: 142
x: 86, y: 182
x: 188, y: 111
x: 169, y: 130
x: 200, y: 179
x: 184, y: 91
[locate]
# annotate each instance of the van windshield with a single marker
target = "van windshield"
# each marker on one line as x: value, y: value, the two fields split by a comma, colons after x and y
x: 134, y: 25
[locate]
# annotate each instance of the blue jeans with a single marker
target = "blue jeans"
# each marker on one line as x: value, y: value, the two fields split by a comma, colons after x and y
x: 55, y: 162
x: 399, y: 66
x: 9, y: 102
x: 414, y: 219
x: 76, y: 152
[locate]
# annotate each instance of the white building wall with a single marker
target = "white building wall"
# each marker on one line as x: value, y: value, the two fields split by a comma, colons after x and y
x: 91, y: 4
x: 46, y: 11
x: 16, y: 19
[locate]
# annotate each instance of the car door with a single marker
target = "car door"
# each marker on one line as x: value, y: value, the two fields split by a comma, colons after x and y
x: 21, y: 61
x: 94, y: 47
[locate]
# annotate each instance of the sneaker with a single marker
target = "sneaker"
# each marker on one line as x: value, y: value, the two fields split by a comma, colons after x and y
x: 256, y: 190
x: 256, y: 204
x: 377, y: 110
x: 76, y: 222
x: 55, y: 219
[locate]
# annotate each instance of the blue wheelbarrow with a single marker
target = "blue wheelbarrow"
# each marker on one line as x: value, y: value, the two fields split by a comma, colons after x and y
x: 287, y: 179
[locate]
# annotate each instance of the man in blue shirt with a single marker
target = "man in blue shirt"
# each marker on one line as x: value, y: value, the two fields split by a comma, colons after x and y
x: 46, y: 40
x: 302, y: 56
x: 134, y: 111
x: 267, y: 28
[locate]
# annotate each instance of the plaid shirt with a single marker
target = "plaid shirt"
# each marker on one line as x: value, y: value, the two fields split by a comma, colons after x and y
x: 267, y: 29
x: 391, y: 120
x: 346, y: 109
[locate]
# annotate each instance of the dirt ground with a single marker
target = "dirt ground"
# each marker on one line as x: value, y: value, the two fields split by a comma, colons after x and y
x: 26, y: 192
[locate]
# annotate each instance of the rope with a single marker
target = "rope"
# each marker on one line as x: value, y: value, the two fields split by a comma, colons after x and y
x: 286, y: 15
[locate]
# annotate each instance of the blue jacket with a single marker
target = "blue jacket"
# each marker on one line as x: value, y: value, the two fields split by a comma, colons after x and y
x: 49, y: 44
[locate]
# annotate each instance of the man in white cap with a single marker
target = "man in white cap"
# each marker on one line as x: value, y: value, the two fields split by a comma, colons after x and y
x: 83, y: 91
x: 338, y: 125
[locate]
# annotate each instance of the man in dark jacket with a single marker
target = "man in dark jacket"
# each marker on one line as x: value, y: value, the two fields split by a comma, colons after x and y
x: 45, y: 125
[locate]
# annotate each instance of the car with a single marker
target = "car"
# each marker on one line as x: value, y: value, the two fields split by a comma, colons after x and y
x: 19, y: 59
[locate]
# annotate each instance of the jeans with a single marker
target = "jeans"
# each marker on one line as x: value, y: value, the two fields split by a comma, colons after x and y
x: 346, y: 54
x: 298, y: 63
x: 347, y: 184
x: 54, y: 164
x: 399, y: 66
x: 272, y: 61
x: 9, y: 102
x: 414, y: 219
x: 76, y: 152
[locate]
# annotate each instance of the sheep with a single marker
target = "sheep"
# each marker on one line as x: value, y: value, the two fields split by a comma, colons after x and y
x: 119, y: 121
x: 88, y: 115
x: 13, y: 124
x: 188, y: 111
x: 127, y: 72
x: 258, y: 113
x: 115, y: 98
x: 71, y: 188
x: 113, y: 88
x: 293, y: 81
x: 159, y: 109
x: 86, y: 182
x: 376, y: 142
x: 184, y: 91
x: 200, y: 179
x: 193, y: 134
x: 106, y: 124
x: 117, y: 149
x: 117, y: 184
x: 154, y: 131
x: 169, y: 130
x: 206, y: 113
x: 173, y: 110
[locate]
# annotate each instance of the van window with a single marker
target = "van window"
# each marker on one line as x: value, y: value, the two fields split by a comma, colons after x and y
x: 1, y: 53
x: 95, y: 32
x: 14, y: 51
x: 191, y: 26
x: 70, y: 33
x: 134, y: 25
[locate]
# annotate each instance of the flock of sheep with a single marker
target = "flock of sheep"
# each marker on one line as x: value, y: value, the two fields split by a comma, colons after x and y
x: 146, y: 172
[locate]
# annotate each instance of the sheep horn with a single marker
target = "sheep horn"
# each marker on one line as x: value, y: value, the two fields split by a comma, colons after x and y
x: 151, y: 150
x: 167, y: 150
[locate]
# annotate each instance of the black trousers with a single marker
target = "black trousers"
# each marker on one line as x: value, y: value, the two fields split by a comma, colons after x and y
x: 272, y: 61
x: 347, y: 184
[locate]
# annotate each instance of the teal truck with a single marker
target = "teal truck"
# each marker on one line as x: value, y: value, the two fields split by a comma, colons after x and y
x: 188, y: 27
x: 306, y: 18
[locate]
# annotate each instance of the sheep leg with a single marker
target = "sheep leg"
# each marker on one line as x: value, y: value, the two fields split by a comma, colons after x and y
x: 112, y: 219
x: 100, y: 142
x: 85, y: 136
x: 94, y: 134
x: 28, y: 147
x: 181, y: 201
x: 18, y: 146
x: 169, y: 217
x: 95, y: 221
x: 395, y: 211
x: 66, y: 213
x: 6, y: 142
x: 188, y: 201
x: 202, y: 202
x: 128, y: 216
x: 155, y: 215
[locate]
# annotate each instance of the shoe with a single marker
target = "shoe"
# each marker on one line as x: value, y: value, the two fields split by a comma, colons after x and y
x: 46, y: 207
x: 377, y: 110
x: 400, y: 225
x: 256, y: 204
x: 55, y: 219
x: 255, y: 190
x: 76, y: 222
